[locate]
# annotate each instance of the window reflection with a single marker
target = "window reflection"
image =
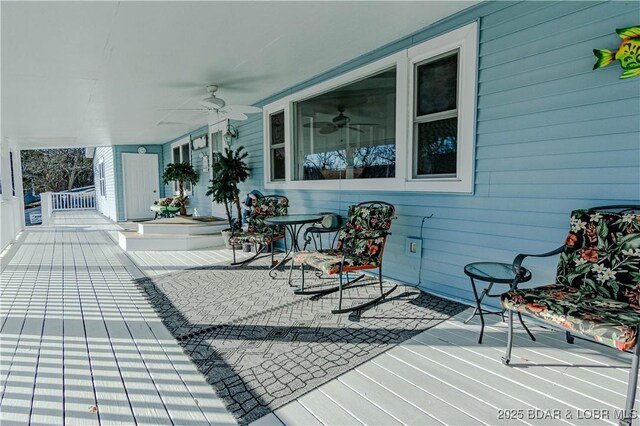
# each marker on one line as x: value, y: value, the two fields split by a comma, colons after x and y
x: 349, y: 132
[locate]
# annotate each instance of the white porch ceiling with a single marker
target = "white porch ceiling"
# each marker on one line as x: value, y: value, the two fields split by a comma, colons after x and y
x: 99, y: 73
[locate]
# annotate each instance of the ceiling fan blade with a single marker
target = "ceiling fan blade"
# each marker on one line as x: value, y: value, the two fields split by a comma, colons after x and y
x: 355, y: 130
x: 328, y: 130
x: 233, y: 115
x: 320, y: 125
x: 209, y: 105
x: 170, y: 123
x: 180, y: 109
x: 244, y: 109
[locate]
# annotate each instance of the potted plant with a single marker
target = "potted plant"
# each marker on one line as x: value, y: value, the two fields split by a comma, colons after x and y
x: 229, y: 170
x: 182, y: 173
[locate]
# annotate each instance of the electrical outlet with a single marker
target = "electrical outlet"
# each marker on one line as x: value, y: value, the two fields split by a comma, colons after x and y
x: 413, y: 247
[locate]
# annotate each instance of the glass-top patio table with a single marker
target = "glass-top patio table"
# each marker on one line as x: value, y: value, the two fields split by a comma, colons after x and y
x: 293, y: 224
x: 493, y: 273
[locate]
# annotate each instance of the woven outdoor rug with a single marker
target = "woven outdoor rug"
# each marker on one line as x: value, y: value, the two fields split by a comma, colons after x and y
x: 260, y: 346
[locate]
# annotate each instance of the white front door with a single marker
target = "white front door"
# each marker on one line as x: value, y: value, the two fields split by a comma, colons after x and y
x: 141, y: 184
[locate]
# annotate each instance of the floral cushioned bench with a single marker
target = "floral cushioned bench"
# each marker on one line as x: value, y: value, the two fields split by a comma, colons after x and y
x: 597, y: 288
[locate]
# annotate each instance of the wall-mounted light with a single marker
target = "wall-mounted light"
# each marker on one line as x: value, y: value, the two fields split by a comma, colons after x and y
x: 230, y: 134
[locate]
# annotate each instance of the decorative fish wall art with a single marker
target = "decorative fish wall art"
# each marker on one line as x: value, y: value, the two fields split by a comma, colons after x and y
x: 628, y: 53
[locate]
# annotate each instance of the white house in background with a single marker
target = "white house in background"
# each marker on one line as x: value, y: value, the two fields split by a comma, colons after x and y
x: 104, y: 181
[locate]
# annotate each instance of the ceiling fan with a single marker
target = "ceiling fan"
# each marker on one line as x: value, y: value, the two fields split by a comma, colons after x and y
x: 213, y: 105
x: 338, y: 122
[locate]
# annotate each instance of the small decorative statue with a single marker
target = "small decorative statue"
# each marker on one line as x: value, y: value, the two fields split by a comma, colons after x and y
x: 628, y: 53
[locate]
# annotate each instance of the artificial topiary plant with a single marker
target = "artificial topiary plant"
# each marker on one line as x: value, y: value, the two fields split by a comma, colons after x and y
x: 229, y: 169
x: 182, y: 173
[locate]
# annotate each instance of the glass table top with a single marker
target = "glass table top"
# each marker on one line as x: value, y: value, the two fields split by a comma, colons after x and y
x: 494, y: 271
x: 293, y: 219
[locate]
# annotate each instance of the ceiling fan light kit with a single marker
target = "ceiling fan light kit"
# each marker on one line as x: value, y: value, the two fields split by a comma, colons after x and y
x: 213, y: 101
x: 214, y: 104
x: 338, y: 122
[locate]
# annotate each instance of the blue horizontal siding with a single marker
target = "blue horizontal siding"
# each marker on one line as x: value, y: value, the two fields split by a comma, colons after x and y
x: 552, y: 136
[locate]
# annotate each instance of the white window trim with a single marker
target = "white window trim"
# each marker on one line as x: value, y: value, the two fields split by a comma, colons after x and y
x: 464, y: 39
x: 184, y: 141
x: 102, y: 182
x: 269, y: 110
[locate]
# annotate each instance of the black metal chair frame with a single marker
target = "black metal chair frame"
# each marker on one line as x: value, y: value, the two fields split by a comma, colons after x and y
x: 349, y: 283
x: 317, y: 230
x: 264, y: 247
x: 635, y: 363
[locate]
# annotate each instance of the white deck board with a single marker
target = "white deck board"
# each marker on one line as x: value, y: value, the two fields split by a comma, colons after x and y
x: 518, y: 395
x: 325, y: 409
x: 457, y: 396
x: 79, y: 343
x: 268, y: 420
x: 421, y: 395
x: 295, y: 413
x: 576, y: 393
x: 75, y: 332
x: 567, y: 363
x: 393, y: 405
x: 359, y: 407
x: 444, y: 373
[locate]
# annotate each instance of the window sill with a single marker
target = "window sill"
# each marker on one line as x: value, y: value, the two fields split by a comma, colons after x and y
x: 444, y: 185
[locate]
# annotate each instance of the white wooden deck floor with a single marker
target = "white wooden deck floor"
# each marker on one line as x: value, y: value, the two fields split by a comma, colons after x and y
x: 79, y: 345
x: 443, y: 376
x: 76, y: 334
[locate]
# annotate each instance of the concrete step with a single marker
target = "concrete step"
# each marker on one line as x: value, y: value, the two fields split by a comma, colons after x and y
x: 133, y: 241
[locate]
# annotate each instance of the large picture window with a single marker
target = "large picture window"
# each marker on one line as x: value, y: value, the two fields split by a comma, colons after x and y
x: 405, y: 122
x: 348, y: 132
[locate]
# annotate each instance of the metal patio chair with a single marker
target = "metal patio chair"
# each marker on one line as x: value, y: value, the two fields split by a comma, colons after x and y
x: 258, y: 233
x: 360, y: 246
x: 331, y: 224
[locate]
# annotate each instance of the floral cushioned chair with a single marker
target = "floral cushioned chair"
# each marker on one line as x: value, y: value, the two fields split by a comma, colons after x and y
x: 259, y: 232
x: 360, y: 246
x: 597, y: 288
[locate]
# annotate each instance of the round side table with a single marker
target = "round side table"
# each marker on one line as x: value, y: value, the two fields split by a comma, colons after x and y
x: 493, y: 273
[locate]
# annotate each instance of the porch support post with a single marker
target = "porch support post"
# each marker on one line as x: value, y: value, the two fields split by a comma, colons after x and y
x: 45, y: 207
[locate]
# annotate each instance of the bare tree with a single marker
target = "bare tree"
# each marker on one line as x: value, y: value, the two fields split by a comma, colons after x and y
x: 56, y: 169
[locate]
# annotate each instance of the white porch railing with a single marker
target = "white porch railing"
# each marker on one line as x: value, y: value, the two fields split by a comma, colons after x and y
x: 73, y: 201
x: 57, y: 201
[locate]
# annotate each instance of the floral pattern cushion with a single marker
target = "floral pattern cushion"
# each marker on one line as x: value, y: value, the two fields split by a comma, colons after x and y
x: 362, y: 238
x: 607, y: 321
x: 597, y: 289
x: 257, y: 230
x: 245, y: 237
x: 602, y: 255
x: 328, y: 261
